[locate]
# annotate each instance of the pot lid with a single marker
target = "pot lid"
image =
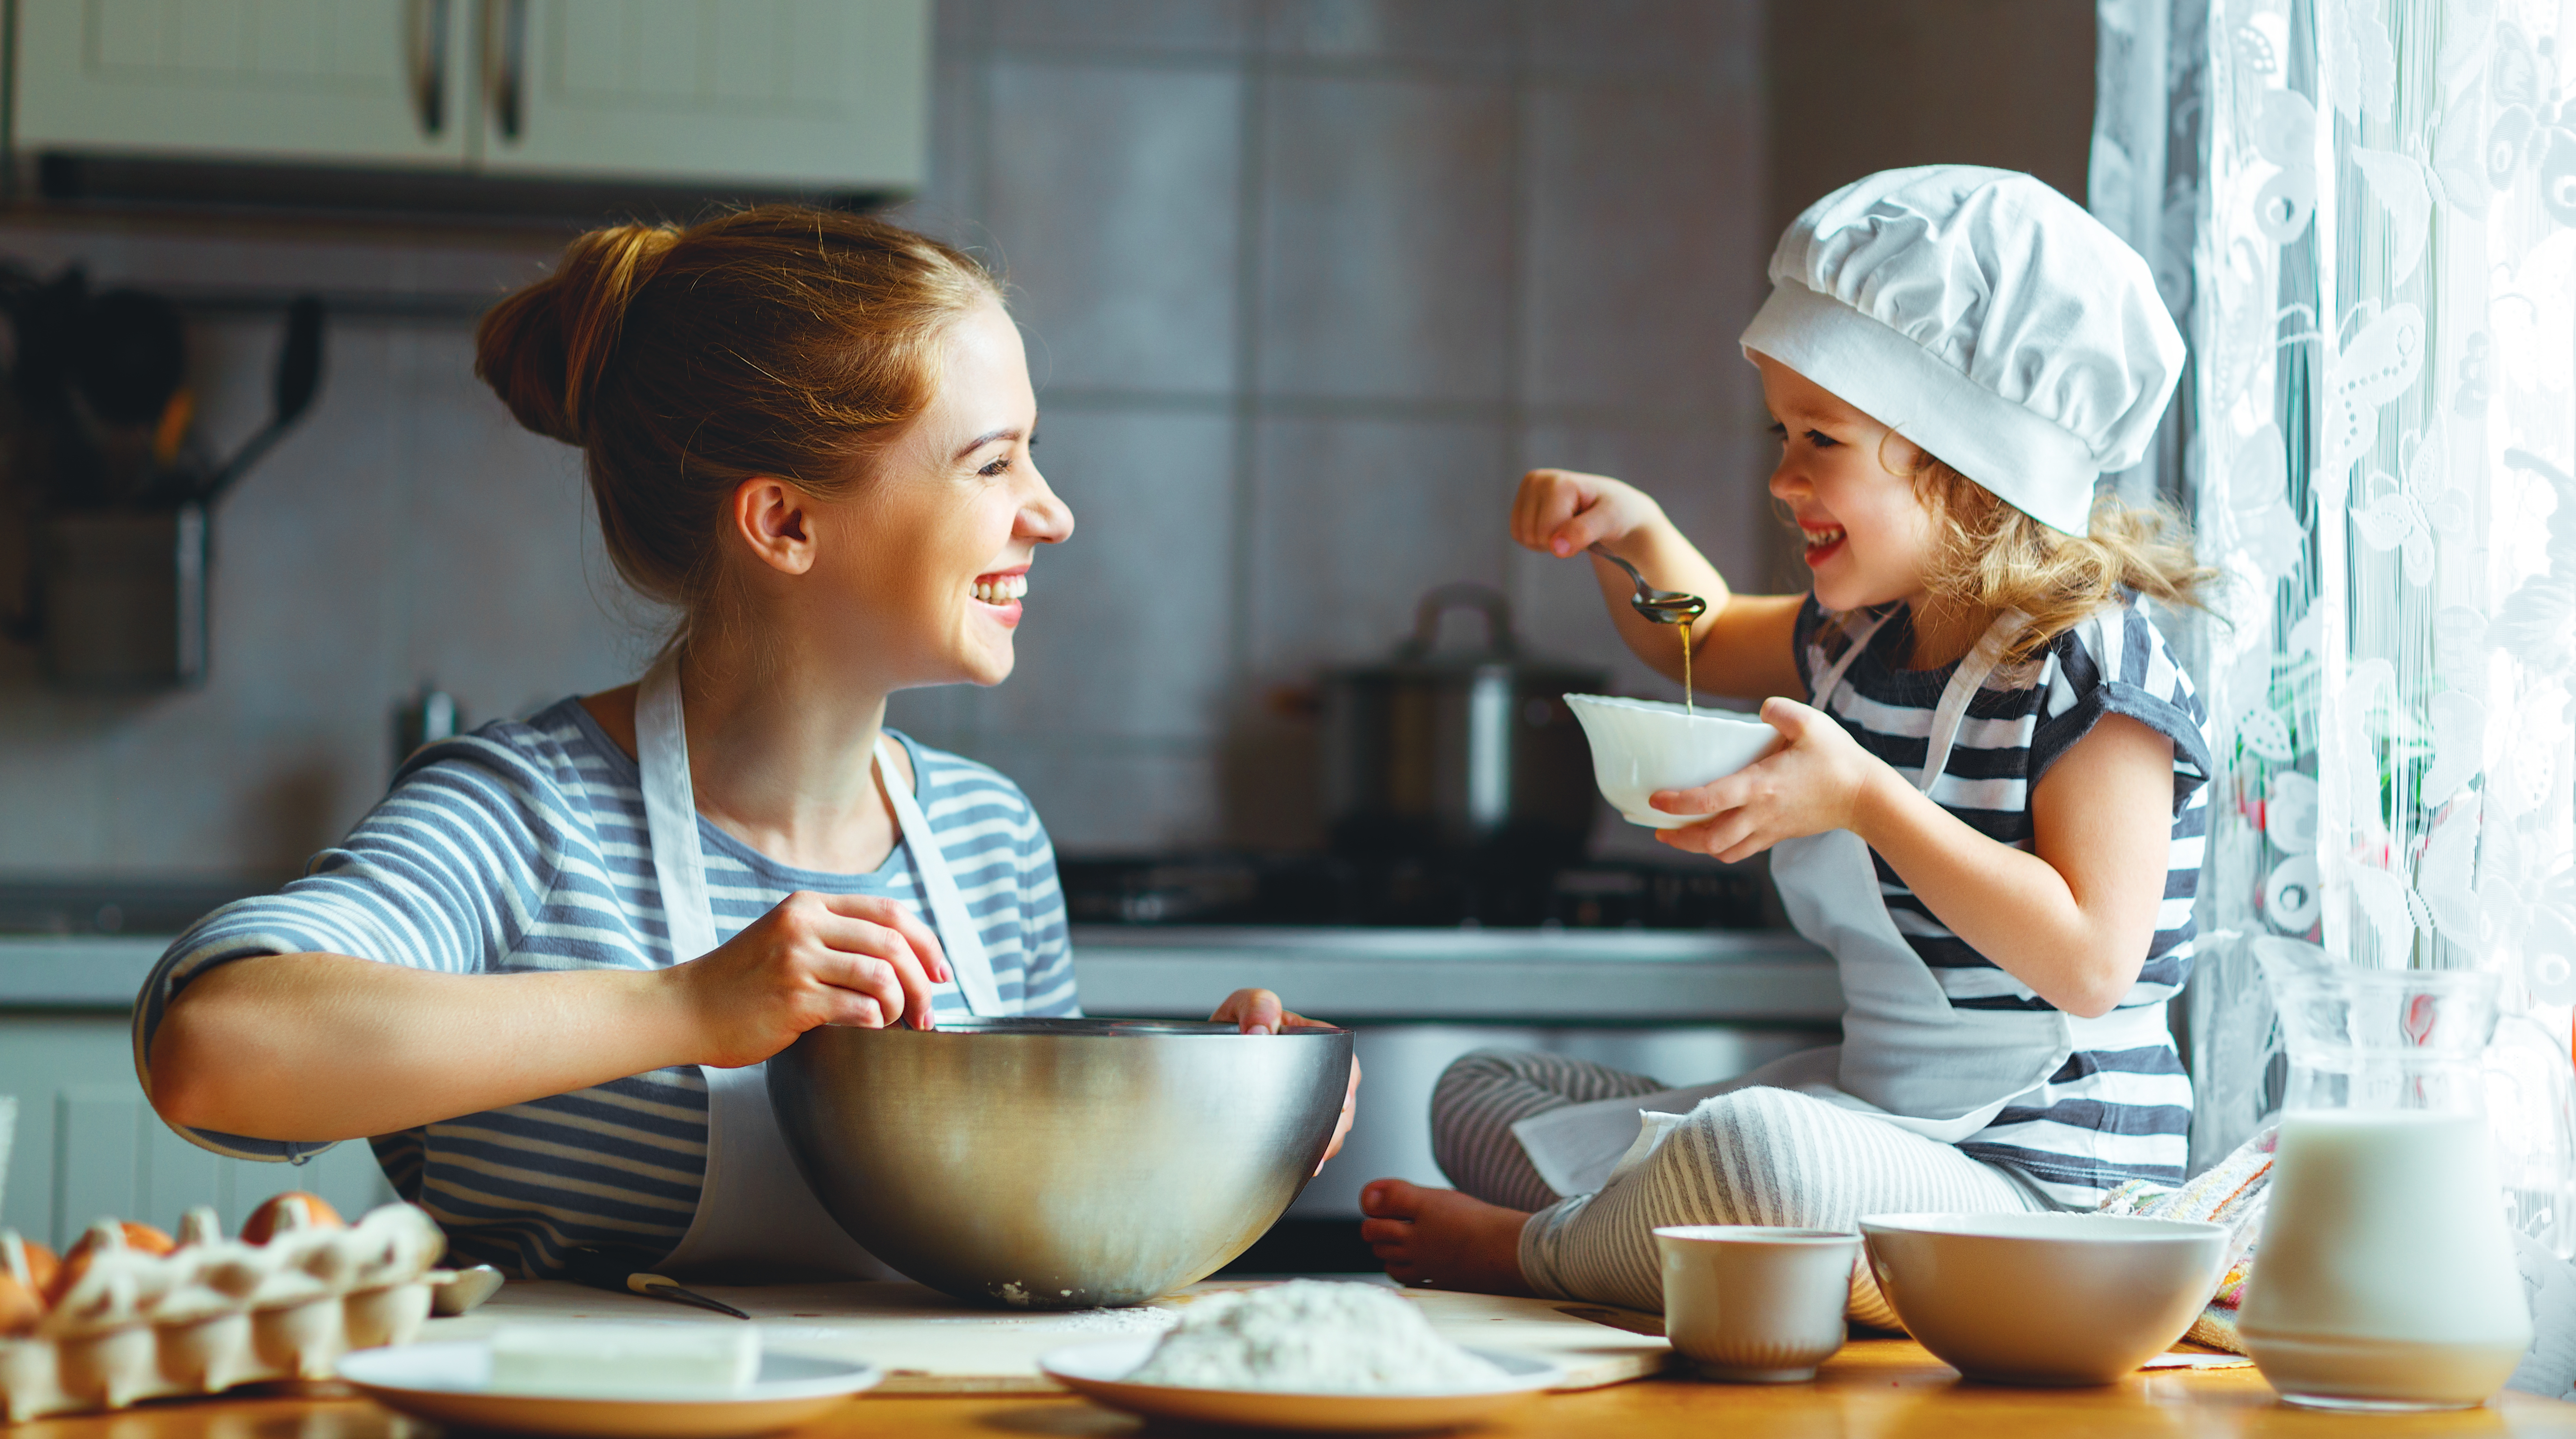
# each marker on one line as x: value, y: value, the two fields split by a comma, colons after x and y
x: 1420, y: 652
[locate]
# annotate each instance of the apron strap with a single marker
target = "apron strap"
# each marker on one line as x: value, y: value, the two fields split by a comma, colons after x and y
x: 1952, y: 709
x: 671, y: 812
x: 959, y: 939
x: 1832, y: 678
x: 1965, y: 681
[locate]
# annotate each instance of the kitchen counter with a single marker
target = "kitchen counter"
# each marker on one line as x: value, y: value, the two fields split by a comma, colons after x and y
x: 1885, y: 1387
x: 90, y: 972
x: 1496, y: 975
x: 1569, y: 976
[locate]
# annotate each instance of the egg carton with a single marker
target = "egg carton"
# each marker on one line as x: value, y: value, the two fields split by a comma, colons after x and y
x: 215, y: 1312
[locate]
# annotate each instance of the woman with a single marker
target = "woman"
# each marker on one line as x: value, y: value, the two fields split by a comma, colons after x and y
x: 541, y: 975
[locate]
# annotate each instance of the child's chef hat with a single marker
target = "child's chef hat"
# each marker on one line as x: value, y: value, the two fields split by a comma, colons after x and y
x: 1985, y: 317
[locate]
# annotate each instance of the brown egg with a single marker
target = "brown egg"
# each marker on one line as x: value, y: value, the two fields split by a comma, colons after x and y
x: 142, y: 1238
x: 68, y: 1273
x: 19, y: 1308
x: 31, y: 1264
x: 270, y: 1217
x: 147, y: 1239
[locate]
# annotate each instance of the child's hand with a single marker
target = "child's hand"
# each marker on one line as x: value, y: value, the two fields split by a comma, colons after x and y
x: 1815, y: 781
x: 1560, y: 512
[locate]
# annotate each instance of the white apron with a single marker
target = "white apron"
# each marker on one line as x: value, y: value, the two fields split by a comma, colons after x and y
x: 1908, y: 1057
x: 756, y: 1220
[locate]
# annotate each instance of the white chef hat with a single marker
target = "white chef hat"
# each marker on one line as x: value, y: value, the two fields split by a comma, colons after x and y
x: 1985, y: 317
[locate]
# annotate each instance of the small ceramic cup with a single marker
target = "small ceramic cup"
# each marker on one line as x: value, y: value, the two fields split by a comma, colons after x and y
x: 1756, y: 1305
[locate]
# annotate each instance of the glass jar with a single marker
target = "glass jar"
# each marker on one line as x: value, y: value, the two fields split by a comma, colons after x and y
x: 2385, y: 1277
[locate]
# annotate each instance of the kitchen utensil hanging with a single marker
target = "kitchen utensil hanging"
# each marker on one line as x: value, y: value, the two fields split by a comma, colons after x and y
x: 111, y: 495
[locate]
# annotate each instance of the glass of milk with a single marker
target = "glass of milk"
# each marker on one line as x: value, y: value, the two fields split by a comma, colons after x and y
x: 2385, y: 1277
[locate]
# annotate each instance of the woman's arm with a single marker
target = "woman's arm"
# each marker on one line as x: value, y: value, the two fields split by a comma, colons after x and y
x: 2071, y: 918
x: 319, y: 1047
x: 1740, y: 647
x: 322, y: 1046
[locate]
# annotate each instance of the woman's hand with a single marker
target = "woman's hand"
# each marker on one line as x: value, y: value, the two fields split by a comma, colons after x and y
x: 1560, y: 512
x: 1816, y: 780
x: 1258, y: 1011
x: 814, y: 959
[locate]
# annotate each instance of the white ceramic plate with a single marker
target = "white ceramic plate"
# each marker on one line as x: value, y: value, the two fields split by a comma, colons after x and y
x: 1099, y: 1371
x: 445, y: 1382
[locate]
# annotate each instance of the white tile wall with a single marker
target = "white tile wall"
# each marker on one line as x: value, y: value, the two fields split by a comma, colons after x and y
x: 1110, y: 201
x: 1386, y: 259
x: 1170, y: 27
x: 1353, y: 519
x: 1127, y: 634
x: 1444, y: 32
x: 1642, y: 270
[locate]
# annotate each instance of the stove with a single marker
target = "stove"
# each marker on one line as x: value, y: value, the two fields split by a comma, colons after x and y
x: 1411, y: 891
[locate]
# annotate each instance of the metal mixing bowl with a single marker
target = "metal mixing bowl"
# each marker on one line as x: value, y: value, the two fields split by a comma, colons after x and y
x: 1059, y: 1163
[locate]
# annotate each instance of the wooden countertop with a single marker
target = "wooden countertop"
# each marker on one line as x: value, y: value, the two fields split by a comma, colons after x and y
x: 1882, y: 1388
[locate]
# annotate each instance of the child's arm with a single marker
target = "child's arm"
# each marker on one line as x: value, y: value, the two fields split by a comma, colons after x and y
x: 2071, y: 918
x: 1740, y: 648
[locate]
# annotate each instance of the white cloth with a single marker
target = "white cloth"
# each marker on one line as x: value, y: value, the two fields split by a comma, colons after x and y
x: 756, y: 1219
x: 1985, y: 317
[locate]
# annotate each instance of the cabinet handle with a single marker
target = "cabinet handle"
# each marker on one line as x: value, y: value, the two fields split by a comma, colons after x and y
x: 425, y: 33
x: 505, y: 63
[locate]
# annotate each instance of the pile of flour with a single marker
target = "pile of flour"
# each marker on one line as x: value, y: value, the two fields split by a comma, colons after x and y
x: 1308, y: 1337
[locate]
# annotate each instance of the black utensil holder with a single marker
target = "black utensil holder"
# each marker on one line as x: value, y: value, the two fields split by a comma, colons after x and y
x: 121, y: 597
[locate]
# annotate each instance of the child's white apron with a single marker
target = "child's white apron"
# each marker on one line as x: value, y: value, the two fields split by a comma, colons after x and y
x: 756, y: 1220
x: 1907, y: 1056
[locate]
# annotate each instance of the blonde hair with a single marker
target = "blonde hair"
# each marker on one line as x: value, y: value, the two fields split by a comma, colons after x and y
x: 1991, y: 557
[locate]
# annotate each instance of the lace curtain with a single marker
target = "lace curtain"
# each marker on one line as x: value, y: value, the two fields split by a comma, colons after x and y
x: 2364, y: 214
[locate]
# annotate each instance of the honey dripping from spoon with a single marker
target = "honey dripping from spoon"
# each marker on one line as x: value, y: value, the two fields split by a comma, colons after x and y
x: 1664, y: 607
x: 1689, y: 707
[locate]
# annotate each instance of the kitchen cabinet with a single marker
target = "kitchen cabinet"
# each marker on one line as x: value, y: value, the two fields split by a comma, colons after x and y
x: 323, y: 81
x: 792, y: 93
x: 88, y: 1145
x: 789, y: 95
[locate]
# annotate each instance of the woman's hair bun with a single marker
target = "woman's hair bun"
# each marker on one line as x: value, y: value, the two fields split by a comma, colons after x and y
x: 542, y: 349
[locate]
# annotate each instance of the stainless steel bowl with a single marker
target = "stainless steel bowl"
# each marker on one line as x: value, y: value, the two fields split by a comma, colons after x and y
x: 1059, y: 1163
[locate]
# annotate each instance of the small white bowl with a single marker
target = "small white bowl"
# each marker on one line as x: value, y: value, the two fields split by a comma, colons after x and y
x: 2052, y: 1299
x: 1641, y: 746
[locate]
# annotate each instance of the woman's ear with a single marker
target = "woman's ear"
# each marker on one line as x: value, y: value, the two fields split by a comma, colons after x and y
x: 772, y: 517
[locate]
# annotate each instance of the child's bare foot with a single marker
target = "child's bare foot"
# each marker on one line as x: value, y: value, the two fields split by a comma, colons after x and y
x: 1442, y: 1237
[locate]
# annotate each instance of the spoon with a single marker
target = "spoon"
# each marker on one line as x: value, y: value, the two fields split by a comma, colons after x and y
x: 1661, y: 607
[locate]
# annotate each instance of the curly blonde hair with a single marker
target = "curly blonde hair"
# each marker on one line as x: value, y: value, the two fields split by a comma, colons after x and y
x: 1993, y: 558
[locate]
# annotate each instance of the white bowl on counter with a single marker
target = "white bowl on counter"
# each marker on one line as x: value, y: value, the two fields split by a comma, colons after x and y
x: 2052, y: 1299
x: 1641, y: 746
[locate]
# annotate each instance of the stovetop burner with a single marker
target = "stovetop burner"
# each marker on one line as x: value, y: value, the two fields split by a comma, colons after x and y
x: 1328, y: 889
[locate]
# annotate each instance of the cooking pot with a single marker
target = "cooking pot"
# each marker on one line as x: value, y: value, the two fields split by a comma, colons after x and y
x: 1458, y: 752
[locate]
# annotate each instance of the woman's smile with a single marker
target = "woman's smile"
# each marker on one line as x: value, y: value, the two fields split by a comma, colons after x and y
x: 999, y: 592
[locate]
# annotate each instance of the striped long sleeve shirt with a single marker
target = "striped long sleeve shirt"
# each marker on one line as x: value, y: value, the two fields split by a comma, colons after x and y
x: 522, y: 847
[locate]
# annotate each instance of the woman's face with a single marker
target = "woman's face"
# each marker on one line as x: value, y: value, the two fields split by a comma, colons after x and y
x: 1869, y: 537
x: 924, y: 566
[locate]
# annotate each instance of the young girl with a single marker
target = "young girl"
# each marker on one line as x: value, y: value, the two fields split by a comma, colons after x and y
x: 1990, y: 809
x: 544, y: 973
